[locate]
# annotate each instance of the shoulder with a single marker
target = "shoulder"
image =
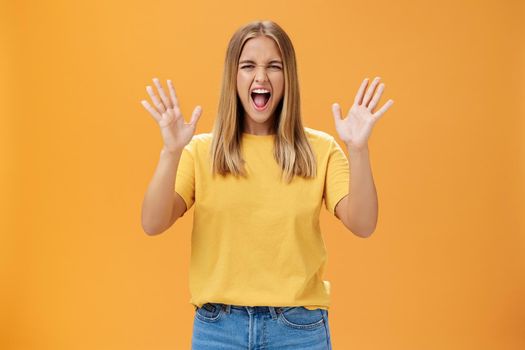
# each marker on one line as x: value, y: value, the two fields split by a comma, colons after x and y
x: 205, y: 137
x: 319, y: 138
x: 199, y: 142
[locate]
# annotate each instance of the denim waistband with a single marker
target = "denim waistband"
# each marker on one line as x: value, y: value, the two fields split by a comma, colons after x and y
x: 256, y: 309
x: 273, y: 310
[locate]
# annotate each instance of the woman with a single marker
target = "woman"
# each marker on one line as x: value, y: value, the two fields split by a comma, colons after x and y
x: 258, y: 181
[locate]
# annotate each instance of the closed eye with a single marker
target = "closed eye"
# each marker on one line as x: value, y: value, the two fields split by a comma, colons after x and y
x: 251, y: 66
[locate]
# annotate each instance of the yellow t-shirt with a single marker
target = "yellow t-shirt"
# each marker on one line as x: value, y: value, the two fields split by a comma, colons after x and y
x: 257, y: 241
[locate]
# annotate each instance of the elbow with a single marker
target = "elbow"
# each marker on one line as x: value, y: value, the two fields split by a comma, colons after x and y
x: 365, y: 233
x: 151, y: 230
x: 362, y: 232
x: 359, y: 229
x: 152, y: 226
x: 147, y: 226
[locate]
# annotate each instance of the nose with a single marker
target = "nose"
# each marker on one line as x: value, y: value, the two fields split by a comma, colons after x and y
x: 260, y: 74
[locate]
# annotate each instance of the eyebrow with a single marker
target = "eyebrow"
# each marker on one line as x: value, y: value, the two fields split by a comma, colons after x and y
x: 251, y: 61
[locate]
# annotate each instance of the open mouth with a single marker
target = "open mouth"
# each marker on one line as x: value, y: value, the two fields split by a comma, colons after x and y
x: 260, y: 99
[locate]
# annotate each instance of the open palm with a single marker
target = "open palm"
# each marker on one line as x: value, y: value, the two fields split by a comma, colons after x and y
x: 176, y: 133
x: 356, y: 128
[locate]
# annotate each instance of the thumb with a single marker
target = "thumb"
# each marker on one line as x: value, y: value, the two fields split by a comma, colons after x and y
x: 336, y: 111
x: 196, y: 115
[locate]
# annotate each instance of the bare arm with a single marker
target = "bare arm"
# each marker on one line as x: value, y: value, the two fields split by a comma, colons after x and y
x: 162, y: 206
x: 358, y: 211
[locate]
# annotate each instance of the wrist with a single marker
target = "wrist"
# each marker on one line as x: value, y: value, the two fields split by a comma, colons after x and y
x: 173, y: 151
x: 357, y: 150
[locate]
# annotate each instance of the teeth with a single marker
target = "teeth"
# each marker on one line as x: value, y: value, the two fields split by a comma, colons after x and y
x: 260, y: 91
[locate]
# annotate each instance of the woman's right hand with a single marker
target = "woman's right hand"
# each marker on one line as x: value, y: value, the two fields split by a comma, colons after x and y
x: 175, y: 132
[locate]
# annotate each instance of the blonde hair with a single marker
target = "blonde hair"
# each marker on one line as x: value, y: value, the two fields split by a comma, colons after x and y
x: 292, y: 150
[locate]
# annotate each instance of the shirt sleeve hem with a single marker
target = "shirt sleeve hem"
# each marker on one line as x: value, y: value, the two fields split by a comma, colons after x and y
x: 186, y: 199
x: 338, y: 198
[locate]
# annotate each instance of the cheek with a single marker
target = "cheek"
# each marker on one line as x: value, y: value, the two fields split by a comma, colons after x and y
x: 279, y: 83
x: 280, y: 86
x: 242, y: 85
x: 239, y: 90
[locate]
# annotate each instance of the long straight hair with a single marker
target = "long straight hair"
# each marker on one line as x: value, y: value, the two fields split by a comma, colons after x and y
x: 291, y: 150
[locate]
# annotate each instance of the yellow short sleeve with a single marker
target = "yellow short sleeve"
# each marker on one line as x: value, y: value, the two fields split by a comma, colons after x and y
x: 337, y: 182
x: 185, y: 179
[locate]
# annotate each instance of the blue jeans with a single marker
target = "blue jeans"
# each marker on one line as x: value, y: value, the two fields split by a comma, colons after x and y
x: 220, y: 326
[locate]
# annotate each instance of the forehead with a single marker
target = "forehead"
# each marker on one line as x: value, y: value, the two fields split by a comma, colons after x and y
x: 260, y: 48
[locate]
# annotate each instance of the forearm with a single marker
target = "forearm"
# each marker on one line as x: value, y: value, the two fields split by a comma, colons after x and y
x: 362, y: 199
x: 157, y: 205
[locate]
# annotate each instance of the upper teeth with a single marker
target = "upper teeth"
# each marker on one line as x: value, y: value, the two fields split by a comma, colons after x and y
x: 260, y: 91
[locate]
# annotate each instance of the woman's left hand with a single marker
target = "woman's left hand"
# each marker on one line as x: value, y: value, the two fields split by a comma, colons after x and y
x: 356, y: 128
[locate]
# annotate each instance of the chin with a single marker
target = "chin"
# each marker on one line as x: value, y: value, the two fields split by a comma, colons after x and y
x: 259, y: 120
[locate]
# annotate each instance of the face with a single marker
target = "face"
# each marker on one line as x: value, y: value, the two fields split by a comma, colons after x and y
x: 260, y: 69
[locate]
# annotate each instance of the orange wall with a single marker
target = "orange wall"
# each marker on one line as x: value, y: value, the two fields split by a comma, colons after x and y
x: 445, y: 268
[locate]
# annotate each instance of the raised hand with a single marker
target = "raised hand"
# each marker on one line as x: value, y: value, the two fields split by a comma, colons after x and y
x: 166, y: 111
x: 356, y: 128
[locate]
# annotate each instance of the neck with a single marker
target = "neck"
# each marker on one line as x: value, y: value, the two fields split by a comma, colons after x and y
x: 253, y: 128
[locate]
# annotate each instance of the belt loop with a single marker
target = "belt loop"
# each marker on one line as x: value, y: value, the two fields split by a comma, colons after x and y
x: 274, y: 311
x: 226, y: 308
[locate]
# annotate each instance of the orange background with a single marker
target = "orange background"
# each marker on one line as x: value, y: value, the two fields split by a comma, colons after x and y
x: 445, y: 268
